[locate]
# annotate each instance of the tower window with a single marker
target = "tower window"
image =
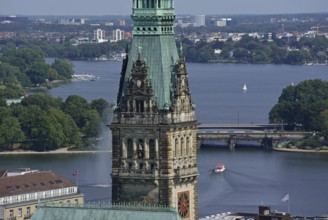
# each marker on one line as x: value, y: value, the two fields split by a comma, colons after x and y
x: 152, y: 150
x: 182, y: 147
x: 141, y: 149
x: 130, y: 148
x: 176, y: 147
x: 140, y: 106
x: 187, y: 146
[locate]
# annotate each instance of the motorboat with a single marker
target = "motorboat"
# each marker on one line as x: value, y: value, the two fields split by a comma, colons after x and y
x: 219, y: 168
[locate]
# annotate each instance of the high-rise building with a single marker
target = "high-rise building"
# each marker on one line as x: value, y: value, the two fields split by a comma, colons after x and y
x: 118, y: 35
x: 99, y: 36
x: 154, y: 124
x: 199, y: 21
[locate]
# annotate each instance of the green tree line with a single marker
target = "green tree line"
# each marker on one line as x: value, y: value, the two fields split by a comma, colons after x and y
x: 65, y: 49
x: 253, y: 50
x: 42, y: 122
x: 26, y: 67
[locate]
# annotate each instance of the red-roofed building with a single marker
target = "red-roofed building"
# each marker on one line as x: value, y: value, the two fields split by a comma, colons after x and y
x: 21, y: 190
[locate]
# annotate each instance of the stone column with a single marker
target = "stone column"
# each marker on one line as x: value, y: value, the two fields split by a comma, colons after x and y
x: 124, y: 150
x: 135, y: 154
x: 156, y: 149
x: 146, y: 148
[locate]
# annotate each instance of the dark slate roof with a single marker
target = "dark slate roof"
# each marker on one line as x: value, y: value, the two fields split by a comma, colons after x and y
x: 32, y: 182
x: 103, y: 212
x: 160, y: 53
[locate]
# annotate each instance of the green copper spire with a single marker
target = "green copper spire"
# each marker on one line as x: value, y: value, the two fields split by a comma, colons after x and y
x: 153, y: 17
x: 154, y: 40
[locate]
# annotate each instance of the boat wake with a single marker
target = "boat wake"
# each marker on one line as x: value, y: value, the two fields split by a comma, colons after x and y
x: 96, y: 185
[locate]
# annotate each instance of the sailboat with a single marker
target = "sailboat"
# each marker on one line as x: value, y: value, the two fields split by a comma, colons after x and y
x: 245, y: 88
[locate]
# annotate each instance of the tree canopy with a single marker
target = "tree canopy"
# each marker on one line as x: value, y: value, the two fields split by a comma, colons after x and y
x: 303, y: 106
x: 42, y: 122
x: 25, y: 67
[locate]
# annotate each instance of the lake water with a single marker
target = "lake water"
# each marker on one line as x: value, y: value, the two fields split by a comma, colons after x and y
x: 252, y: 178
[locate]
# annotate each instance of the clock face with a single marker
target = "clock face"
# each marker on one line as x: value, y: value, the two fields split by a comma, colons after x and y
x: 183, y: 204
x: 138, y: 83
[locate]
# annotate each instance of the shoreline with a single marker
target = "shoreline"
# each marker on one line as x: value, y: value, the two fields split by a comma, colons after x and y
x: 282, y: 149
x: 59, y: 151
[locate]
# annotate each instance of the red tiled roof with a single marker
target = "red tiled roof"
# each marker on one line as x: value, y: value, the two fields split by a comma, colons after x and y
x: 32, y: 182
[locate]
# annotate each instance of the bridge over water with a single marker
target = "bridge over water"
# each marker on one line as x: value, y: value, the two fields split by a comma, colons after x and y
x: 242, y: 126
x: 265, y: 135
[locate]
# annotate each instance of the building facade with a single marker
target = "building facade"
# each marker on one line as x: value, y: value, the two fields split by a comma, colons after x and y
x: 154, y: 124
x: 199, y: 21
x: 99, y: 36
x: 22, y: 190
x: 118, y: 35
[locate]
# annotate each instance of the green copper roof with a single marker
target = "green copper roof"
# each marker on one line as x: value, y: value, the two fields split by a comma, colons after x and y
x: 87, y: 212
x: 160, y: 53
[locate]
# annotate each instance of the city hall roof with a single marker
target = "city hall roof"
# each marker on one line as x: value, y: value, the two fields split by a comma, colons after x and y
x: 104, y: 211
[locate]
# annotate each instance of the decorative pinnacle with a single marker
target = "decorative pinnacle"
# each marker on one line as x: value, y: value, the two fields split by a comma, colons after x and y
x: 139, y: 48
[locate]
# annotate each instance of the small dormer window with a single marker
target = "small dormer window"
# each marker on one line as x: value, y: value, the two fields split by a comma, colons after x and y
x: 10, y: 189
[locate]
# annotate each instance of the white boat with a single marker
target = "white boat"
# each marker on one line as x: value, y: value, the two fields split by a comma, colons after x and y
x: 219, y: 168
x: 245, y: 88
x: 85, y: 77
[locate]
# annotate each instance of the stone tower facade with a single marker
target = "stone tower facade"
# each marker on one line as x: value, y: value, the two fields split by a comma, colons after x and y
x: 154, y: 124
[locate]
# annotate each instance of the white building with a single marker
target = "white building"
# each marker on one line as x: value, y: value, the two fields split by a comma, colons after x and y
x: 118, y: 35
x: 199, y: 20
x: 222, y: 22
x: 99, y: 36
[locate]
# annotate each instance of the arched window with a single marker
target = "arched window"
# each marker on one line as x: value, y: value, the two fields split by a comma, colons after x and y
x: 130, y: 105
x: 188, y: 147
x: 176, y: 147
x: 140, y: 106
x: 182, y: 147
x: 130, y: 148
x: 141, y: 149
x: 152, y: 150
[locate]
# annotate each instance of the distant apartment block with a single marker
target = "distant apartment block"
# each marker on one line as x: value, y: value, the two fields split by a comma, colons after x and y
x: 72, y: 21
x: 23, y: 189
x: 223, y: 22
x: 109, y: 23
x: 199, y: 21
x: 13, y: 19
x: 122, y: 23
x: 99, y: 36
x: 118, y: 35
x: 183, y: 24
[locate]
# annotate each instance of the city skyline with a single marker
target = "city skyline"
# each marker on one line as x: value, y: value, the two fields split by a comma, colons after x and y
x: 111, y: 7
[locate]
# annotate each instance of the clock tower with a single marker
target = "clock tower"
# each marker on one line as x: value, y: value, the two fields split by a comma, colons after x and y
x: 154, y: 124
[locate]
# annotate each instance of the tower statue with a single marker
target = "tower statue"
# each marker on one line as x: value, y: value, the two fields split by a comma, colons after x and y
x: 154, y: 124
